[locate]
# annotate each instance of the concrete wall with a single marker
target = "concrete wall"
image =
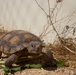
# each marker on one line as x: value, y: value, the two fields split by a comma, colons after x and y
x: 26, y: 15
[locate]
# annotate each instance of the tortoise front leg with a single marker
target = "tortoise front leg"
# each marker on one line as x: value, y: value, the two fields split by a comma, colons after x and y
x: 47, y: 52
x: 10, y: 60
x: 48, y: 57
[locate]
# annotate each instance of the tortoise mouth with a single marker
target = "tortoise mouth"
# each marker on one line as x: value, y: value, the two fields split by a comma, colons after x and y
x: 34, y: 52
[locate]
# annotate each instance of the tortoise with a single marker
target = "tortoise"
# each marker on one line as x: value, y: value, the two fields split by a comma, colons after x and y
x: 18, y: 43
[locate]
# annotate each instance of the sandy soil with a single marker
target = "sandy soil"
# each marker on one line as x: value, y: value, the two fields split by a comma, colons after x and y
x: 47, y: 71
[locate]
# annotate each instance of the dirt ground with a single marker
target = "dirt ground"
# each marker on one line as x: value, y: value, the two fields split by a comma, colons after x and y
x: 47, y: 71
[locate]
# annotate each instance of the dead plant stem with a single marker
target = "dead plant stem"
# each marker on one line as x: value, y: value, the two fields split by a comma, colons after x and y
x: 49, y: 17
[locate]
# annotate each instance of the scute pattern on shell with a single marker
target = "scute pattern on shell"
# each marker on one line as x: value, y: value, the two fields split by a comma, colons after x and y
x: 16, y: 40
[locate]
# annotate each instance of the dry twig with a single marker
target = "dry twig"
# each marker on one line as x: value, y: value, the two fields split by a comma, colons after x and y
x: 50, y: 20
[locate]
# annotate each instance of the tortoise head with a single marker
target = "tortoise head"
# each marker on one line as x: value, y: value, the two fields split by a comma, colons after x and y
x: 34, y: 47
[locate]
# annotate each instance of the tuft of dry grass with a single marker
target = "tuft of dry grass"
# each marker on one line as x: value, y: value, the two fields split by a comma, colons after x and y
x: 62, y: 54
x: 2, y: 31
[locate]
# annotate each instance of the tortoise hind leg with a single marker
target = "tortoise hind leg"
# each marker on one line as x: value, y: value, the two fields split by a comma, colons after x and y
x: 10, y: 60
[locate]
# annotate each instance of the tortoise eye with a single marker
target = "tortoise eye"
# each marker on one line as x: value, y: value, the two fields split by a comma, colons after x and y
x: 32, y: 45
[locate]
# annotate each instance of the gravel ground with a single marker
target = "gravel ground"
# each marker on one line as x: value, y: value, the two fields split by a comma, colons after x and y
x: 47, y: 71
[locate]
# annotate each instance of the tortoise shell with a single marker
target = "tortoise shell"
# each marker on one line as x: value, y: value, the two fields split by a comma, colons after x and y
x: 14, y: 41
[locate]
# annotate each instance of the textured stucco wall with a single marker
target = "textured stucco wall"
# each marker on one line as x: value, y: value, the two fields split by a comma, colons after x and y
x: 26, y: 15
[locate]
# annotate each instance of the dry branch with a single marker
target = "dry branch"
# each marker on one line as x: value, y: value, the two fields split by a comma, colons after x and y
x: 50, y: 19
